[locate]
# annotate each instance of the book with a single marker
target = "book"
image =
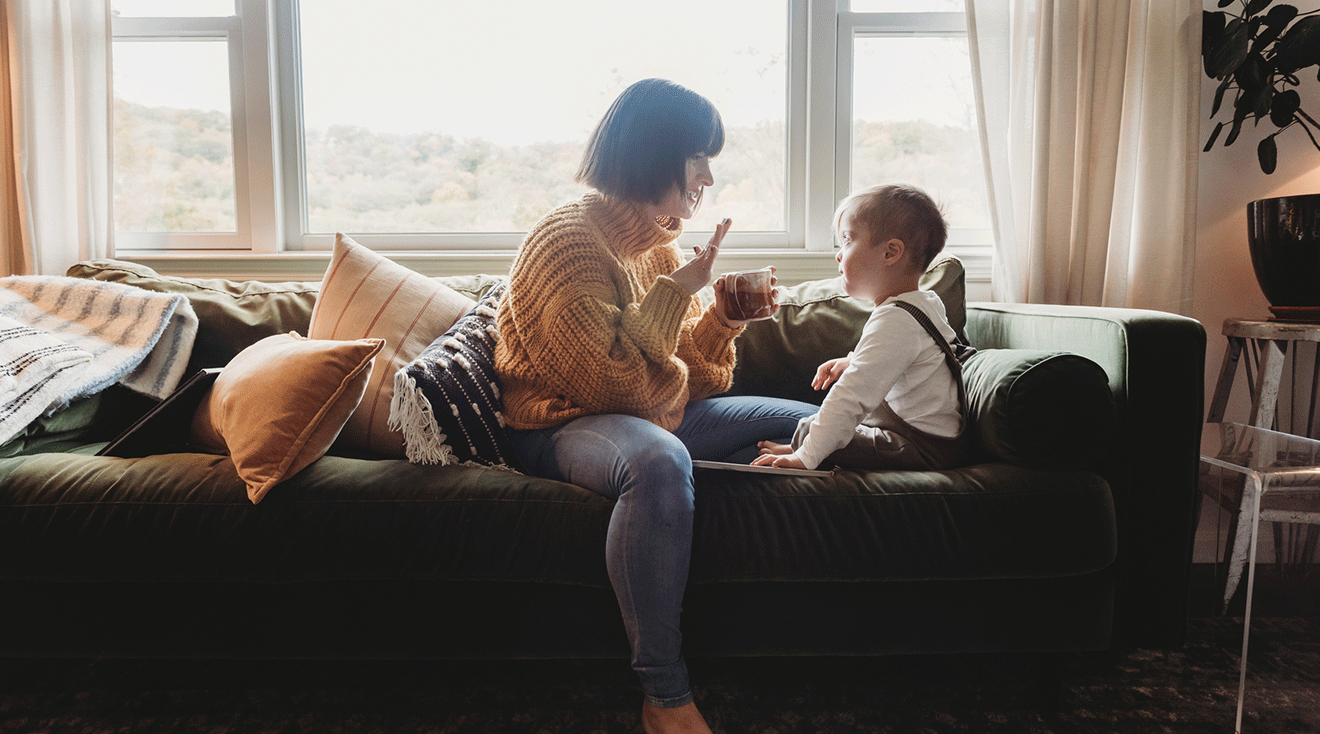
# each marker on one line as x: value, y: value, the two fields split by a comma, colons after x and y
x: 703, y: 464
x: 164, y: 429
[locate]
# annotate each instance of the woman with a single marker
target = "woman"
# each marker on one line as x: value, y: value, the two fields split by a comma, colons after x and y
x: 608, y: 363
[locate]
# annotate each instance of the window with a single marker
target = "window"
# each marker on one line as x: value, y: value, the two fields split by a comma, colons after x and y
x: 471, y: 117
x: 267, y: 125
x: 193, y: 160
x: 918, y: 126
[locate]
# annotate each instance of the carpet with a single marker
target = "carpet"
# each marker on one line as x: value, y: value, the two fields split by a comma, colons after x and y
x: 1190, y: 690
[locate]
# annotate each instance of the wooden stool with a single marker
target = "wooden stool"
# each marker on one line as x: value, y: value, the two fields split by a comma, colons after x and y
x: 1272, y: 343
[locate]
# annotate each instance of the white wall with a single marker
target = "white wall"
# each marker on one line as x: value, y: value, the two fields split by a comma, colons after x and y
x: 1225, y: 285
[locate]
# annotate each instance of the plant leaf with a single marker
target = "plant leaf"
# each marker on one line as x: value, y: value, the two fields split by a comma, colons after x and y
x: 1281, y: 15
x: 1213, y: 135
x: 1285, y: 104
x: 1275, y: 22
x: 1225, y: 3
x: 1233, y: 131
x: 1226, y: 54
x: 1255, y: 6
x: 1251, y: 73
x: 1300, y: 46
x: 1219, y: 95
x: 1268, y: 153
x: 1264, y: 101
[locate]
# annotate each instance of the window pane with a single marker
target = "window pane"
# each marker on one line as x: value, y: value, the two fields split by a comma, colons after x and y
x: 919, y: 128
x: 909, y: 6
x: 173, y: 8
x: 173, y: 139
x: 471, y: 117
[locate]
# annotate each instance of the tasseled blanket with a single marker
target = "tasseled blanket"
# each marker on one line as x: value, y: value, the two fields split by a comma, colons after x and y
x: 64, y: 338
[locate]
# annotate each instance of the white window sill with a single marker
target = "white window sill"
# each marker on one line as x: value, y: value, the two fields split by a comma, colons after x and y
x: 791, y: 267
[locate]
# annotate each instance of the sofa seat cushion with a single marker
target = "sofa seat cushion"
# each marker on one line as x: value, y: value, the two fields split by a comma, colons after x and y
x: 988, y: 521
x: 187, y: 517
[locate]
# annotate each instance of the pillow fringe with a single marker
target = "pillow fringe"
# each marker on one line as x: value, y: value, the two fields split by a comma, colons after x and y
x: 410, y: 413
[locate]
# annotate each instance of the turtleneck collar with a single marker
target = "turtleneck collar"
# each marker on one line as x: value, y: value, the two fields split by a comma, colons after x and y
x: 632, y: 231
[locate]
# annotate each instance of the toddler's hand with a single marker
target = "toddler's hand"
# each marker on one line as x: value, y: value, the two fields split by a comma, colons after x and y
x: 829, y: 373
x: 789, y: 461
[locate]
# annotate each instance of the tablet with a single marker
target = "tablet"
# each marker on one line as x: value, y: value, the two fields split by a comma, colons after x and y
x: 164, y: 429
x: 703, y: 464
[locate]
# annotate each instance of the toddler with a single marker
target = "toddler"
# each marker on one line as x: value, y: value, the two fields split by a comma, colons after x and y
x: 897, y: 400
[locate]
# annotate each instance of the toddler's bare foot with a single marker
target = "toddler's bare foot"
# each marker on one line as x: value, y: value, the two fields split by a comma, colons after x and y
x: 684, y: 719
x: 770, y: 447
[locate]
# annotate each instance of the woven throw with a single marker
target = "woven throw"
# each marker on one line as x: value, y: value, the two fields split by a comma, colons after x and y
x: 35, y: 368
x: 447, y: 401
x: 136, y: 337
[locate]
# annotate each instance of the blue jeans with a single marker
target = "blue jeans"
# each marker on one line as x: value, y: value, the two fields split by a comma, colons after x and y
x: 648, y: 471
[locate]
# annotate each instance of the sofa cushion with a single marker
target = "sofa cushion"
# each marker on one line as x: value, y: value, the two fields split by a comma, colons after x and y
x: 818, y: 321
x: 231, y: 315
x: 279, y: 404
x: 188, y: 517
x: 1050, y: 410
x: 367, y: 296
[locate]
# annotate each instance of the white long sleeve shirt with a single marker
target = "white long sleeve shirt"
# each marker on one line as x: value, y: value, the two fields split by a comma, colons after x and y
x: 896, y: 361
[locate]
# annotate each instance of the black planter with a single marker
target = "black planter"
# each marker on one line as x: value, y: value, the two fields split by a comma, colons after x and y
x: 1283, y: 234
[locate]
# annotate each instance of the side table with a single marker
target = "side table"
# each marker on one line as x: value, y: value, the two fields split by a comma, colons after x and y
x: 1262, y: 465
x: 1264, y: 347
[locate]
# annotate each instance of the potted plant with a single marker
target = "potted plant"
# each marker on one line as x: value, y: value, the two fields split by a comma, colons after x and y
x: 1262, y: 55
x: 1262, y: 52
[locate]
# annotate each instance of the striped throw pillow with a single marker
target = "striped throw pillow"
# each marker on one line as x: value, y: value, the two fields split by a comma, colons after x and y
x: 367, y: 296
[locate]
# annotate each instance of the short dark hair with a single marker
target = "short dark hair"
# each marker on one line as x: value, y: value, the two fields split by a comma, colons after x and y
x: 639, y: 150
x: 903, y: 211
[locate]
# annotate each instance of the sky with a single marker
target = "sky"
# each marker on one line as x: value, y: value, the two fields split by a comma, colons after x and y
x: 542, y: 72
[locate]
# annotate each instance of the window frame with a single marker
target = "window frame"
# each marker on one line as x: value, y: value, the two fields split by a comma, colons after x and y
x: 296, y: 236
x: 268, y: 146
x: 966, y: 242
x: 246, y: 34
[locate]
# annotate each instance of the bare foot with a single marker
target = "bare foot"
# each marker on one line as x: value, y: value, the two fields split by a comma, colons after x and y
x: 777, y: 449
x: 656, y: 720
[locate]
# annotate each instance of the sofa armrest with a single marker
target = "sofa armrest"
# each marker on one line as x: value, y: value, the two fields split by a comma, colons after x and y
x: 1155, y: 362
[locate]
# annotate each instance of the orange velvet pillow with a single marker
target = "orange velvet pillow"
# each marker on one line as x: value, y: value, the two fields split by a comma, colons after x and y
x: 279, y: 405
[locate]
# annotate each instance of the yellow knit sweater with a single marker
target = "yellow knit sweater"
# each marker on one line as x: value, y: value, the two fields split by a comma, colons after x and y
x: 592, y: 323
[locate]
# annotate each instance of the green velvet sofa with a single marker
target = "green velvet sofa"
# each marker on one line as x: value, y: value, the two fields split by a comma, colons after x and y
x: 1072, y: 529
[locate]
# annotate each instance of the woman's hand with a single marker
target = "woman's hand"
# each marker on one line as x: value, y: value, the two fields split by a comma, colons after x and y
x: 829, y: 373
x: 722, y: 296
x: 697, y: 272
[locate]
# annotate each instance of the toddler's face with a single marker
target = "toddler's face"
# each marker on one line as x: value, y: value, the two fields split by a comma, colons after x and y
x: 860, y: 261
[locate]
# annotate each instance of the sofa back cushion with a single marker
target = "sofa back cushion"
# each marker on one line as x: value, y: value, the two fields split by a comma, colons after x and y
x: 231, y: 315
x: 234, y: 315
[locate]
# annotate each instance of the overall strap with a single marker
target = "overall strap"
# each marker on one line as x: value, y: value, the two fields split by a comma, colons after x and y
x: 955, y: 365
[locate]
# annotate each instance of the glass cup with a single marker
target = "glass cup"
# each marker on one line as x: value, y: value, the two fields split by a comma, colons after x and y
x: 748, y: 295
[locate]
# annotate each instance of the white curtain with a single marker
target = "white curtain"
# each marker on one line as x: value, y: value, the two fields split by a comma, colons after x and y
x: 57, y: 172
x: 1088, y: 113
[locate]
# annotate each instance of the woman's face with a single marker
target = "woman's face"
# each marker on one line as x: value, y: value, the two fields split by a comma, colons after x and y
x: 683, y: 204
